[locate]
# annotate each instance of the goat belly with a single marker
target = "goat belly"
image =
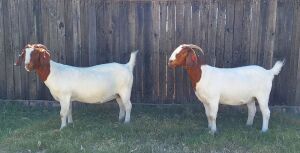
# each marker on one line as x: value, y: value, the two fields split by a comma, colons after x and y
x: 94, y: 94
x: 236, y: 99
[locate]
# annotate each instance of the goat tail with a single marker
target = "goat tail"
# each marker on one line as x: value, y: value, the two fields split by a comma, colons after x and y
x: 277, y: 67
x: 132, y: 60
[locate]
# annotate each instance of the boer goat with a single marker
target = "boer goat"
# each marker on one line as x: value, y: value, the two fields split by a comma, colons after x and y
x: 230, y: 86
x: 96, y: 84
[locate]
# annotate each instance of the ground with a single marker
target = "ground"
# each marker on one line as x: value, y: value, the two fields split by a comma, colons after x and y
x: 152, y: 129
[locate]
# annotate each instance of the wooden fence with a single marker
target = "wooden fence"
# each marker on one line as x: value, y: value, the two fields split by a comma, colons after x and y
x: 88, y: 32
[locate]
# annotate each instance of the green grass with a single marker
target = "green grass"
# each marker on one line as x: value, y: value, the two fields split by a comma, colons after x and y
x: 152, y: 129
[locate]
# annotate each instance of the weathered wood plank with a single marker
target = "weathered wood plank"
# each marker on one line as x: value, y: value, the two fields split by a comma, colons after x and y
x: 9, y: 53
x: 155, y: 52
x: 2, y: 55
x: 162, y: 52
x: 270, y: 33
x: 76, y: 32
x: 60, y: 29
x: 84, y: 28
x: 212, y: 30
x: 148, y: 48
x: 15, y: 35
x: 246, y: 39
x: 255, y: 17
x: 180, y: 32
x: 69, y: 57
x: 170, y: 47
x: 204, y: 16
x: 237, y: 34
x: 220, y: 41
x: 116, y: 31
x: 296, y: 57
x: 229, y: 33
x: 140, y: 46
x: 297, y: 50
x: 92, y: 43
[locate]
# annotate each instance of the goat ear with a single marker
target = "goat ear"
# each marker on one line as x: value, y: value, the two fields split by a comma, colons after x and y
x: 191, y: 59
x: 44, y: 58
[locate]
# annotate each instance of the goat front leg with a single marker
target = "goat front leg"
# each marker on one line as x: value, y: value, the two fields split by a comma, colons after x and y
x: 64, y: 111
x: 213, y: 107
x: 207, y: 114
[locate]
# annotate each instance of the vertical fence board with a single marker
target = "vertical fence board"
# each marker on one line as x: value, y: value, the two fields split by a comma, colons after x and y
x: 254, y: 18
x: 180, y: 30
x: 212, y: 29
x: 245, y: 55
x: 9, y: 54
x: 16, y: 48
x: 296, y: 56
x: 140, y: 46
x: 162, y: 52
x: 220, y: 41
x: 2, y: 54
x: 237, y: 33
x: 170, y: 46
x: 92, y: 33
x: 148, y: 41
x: 155, y: 56
x: 229, y: 33
x: 69, y: 58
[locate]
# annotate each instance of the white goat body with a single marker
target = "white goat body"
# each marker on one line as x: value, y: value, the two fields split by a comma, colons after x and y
x: 96, y: 84
x: 236, y: 86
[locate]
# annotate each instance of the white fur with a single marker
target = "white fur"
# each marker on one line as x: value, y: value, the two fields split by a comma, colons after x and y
x: 27, y: 57
x: 236, y: 86
x: 96, y: 84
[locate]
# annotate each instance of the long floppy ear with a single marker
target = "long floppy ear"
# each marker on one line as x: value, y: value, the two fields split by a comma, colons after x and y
x: 191, y: 59
x: 44, y: 58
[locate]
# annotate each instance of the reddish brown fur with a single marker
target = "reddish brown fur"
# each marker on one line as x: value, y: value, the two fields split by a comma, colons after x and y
x: 189, y: 61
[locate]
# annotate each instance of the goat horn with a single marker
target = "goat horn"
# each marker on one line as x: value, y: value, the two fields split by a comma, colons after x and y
x: 194, y: 46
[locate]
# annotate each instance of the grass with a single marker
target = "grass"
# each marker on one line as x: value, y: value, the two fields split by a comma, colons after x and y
x: 173, y: 129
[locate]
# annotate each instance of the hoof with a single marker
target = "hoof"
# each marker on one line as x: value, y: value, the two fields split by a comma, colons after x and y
x: 212, y: 132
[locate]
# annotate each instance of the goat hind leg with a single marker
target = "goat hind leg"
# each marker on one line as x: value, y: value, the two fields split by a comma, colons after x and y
x: 122, y: 109
x: 125, y: 97
x: 70, y: 119
x: 251, y: 113
x: 263, y: 105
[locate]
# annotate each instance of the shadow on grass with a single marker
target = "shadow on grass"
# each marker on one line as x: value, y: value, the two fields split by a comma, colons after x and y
x: 152, y: 129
